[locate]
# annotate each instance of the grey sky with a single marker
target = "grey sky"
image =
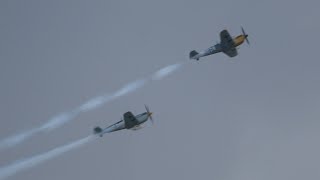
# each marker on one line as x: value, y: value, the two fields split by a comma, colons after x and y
x: 255, y: 116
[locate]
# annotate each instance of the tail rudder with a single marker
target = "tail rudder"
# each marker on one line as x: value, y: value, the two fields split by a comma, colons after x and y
x: 97, y: 130
x: 192, y: 54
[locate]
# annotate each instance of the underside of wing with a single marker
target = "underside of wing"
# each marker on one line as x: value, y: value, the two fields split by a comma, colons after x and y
x: 129, y: 120
x: 232, y: 52
x: 226, y: 40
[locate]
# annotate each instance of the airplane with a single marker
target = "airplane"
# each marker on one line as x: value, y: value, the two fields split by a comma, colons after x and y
x: 227, y: 45
x: 129, y: 121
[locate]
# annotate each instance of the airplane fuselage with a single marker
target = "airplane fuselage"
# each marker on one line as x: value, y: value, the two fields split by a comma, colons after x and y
x: 139, y: 119
x: 237, y: 41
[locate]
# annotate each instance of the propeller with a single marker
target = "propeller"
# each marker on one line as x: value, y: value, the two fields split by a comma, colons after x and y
x: 245, y: 35
x: 149, y: 113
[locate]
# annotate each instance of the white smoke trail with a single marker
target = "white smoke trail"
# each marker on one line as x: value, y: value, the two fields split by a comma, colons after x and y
x: 164, y: 72
x: 63, y: 118
x: 93, y: 103
x: 14, y: 140
x: 35, y: 160
x: 53, y: 123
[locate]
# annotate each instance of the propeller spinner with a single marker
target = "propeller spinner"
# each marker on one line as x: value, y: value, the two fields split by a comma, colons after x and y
x: 149, y: 113
x: 245, y: 35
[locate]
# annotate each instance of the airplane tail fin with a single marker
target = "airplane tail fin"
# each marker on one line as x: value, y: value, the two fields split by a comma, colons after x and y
x: 192, y: 54
x: 97, y: 130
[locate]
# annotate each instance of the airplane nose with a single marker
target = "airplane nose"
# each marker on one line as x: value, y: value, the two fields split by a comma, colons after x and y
x: 150, y: 113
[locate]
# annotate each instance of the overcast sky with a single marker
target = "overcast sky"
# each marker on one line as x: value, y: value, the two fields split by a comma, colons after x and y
x: 255, y: 116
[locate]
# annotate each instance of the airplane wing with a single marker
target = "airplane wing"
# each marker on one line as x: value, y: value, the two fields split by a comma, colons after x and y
x: 129, y: 120
x: 227, y: 44
x: 226, y: 39
x: 231, y: 52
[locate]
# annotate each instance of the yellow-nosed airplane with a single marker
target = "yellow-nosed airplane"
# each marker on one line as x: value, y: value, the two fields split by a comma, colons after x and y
x: 227, y: 45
